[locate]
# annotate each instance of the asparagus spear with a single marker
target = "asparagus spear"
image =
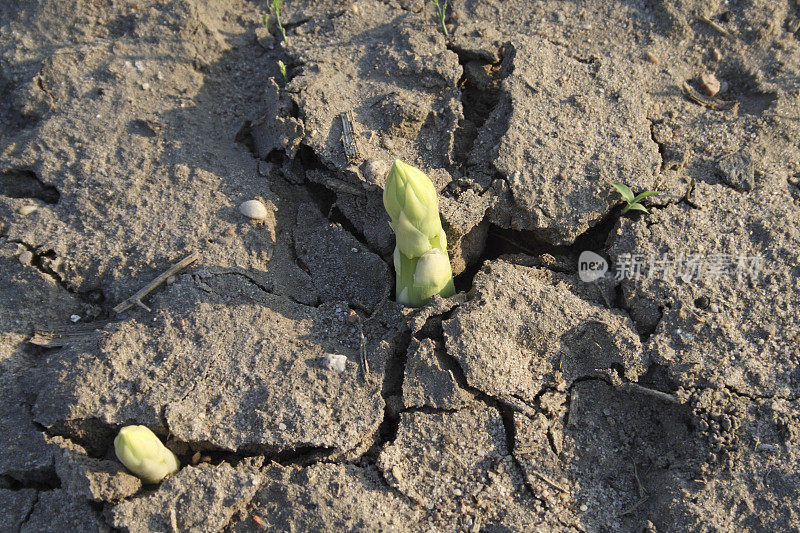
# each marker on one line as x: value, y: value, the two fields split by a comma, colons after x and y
x: 420, y: 256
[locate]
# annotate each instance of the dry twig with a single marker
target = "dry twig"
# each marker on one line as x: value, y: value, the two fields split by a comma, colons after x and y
x: 136, y: 299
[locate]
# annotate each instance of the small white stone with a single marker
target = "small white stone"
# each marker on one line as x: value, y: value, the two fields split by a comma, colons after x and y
x: 74, y: 318
x: 335, y: 362
x: 138, y: 65
x: 282, y: 426
x: 25, y: 257
x: 26, y: 210
x: 584, y: 507
x: 253, y: 209
x: 145, y: 86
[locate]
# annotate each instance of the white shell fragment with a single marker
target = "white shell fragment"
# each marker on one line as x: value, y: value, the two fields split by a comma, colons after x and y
x: 253, y: 209
x: 335, y: 362
x: 26, y: 210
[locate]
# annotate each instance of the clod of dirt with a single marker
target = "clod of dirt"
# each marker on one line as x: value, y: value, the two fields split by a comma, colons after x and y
x: 196, y: 498
x: 519, y: 329
x: 326, y: 497
x: 428, y: 382
x: 27, y: 456
x: 751, y: 344
x: 237, y: 399
x: 457, y: 467
x: 274, y: 128
x: 709, y: 83
x: 25, y: 257
x: 57, y: 510
x: 464, y: 222
x: 573, y: 125
x: 737, y: 170
x: 15, y: 506
x: 341, y: 267
x: 93, y: 479
x: 592, y: 448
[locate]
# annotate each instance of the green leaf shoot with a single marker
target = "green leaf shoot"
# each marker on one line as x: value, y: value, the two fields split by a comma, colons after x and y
x: 633, y: 202
x: 275, y: 6
x: 441, y: 15
x: 282, y: 68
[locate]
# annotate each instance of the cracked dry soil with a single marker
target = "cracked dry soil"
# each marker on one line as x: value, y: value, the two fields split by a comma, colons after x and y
x: 130, y: 132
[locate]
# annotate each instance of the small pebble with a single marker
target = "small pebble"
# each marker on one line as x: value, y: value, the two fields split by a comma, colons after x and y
x: 375, y: 170
x: 387, y: 143
x: 716, y: 54
x: 584, y: 507
x: 282, y: 426
x: 26, y: 210
x: 710, y: 83
x: 652, y: 58
x: 74, y: 318
x: 196, y: 458
x: 335, y: 362
x: 253, y: 209
x: 145, y: 86
x: 714, y: 308
x: 138, y: 65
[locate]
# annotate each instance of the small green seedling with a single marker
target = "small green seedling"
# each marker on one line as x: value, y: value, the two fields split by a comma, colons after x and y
x: 441, y: 13
x: 632, y: 201
x: 275, y: 6
x: 282, y: 67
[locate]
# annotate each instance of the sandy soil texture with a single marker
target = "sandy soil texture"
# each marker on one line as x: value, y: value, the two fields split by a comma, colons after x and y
x: 663, y: 396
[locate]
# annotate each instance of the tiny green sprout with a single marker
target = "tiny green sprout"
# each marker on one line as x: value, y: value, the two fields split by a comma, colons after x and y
x: 275, y: 6
x: 441, y: 13
x: 630, y: 199
x: 282, y: 67
x: 420, y: 255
